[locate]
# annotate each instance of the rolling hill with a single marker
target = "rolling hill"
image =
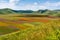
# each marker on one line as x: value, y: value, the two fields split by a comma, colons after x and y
x: 6, y: 11
x: 31, y: 12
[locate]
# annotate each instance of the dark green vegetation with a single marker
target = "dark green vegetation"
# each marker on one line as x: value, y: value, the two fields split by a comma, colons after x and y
x: 54, y: 13
x: 6, y: 11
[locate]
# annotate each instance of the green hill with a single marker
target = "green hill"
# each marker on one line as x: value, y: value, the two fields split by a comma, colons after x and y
x: 28, y: 12
x: 6, y: 11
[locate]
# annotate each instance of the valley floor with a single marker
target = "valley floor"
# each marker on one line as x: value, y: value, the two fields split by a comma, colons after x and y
x: 30, y: 28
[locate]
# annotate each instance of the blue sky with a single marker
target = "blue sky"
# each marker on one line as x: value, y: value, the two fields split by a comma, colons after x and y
x: 30, y: 4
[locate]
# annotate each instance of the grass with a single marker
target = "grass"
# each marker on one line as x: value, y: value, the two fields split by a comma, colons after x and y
x: 36, y: 31
x: 6, y: 30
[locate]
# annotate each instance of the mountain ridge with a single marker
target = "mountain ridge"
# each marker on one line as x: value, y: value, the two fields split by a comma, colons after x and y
x: 44, y: 12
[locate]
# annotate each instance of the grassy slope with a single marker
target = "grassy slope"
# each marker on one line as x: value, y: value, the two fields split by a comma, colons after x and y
x: 7, y: 26
x: 30, y: 13
x: 36, y: 31
x: 6, y: 30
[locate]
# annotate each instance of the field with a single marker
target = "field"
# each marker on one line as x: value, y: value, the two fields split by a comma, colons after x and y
x: 29, y: 28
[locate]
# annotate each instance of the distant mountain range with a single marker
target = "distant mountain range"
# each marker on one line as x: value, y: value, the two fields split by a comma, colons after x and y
x: 45, y: 12
x: 10, y: 11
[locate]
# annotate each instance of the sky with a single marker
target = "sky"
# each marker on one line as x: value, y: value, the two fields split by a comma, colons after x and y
x: 30, y: 4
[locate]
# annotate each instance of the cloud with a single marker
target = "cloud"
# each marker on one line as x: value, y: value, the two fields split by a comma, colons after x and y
x: 13, y: 1
x: 35, y: 3
x: 49, y: 5
x: 3, y: 5
x: 52, y: 4
x: 35, y: 6
x: 12, y: 4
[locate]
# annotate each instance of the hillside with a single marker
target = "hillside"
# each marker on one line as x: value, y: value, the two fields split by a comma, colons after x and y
x: 31, y: 13
x: 6, y: 11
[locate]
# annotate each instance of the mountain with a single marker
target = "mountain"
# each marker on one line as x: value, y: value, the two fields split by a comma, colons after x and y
x: 44, y: 12
x: 23, y: 11
x: 50, y: 12
x: 10, y: 11
x: 6, y: 11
